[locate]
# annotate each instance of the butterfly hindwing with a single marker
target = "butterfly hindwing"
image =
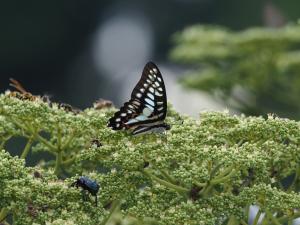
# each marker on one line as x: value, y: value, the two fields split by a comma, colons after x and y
x: 148, y: 103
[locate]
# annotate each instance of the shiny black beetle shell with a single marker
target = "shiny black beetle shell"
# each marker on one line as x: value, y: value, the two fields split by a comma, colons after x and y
x: 87, y: 184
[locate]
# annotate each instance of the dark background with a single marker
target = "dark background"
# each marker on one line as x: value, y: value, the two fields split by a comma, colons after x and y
x: 78, y: 51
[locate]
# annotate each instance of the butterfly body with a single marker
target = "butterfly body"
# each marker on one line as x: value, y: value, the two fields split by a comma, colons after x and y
x: 147, y: 108
x: 158, y: 128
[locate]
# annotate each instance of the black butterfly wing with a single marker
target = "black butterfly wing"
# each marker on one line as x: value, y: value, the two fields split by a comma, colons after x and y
x: 148, y: 103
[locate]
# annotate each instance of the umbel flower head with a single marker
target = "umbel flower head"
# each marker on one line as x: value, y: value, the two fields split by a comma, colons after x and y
x: 203, y: 171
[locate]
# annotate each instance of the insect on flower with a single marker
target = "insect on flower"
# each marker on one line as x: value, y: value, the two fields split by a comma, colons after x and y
x: 87, y: 185
x: 102, y: 103
x: 31, y: 210
x: 22, y: 94
x: 37, y: 174
x: 96, y: 143
x: 68, y: 108
x: 146, y: 111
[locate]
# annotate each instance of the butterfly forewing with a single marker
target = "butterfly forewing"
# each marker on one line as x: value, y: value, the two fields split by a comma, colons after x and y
x: 148, y: 103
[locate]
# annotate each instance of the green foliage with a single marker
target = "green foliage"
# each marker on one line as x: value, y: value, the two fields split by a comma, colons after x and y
x: 255, y: 70
x: 206, y: 171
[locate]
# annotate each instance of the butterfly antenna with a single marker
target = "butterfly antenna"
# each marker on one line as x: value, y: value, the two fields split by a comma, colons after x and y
x: 17, y: 85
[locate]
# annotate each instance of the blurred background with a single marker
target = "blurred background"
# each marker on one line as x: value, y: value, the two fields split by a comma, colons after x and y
x: 80, y: 51
x: 214, y: 54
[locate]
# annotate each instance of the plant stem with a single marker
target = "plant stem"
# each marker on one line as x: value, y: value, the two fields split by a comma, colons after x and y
x: 225, y: 172
x: 206, y: 189
x: 113, y: 208
x: 232, y: 221
x: 2, y: 144
x: 247, y: 209
x: 200, y: 184
x: 3, y: 214
x: 215, y: 169
x: 67, y: 142
x: 284, y: 219
x: 167, y: 176
x: 46, y: 142
x: 222, y: 179
x: 256, y: 219
x: 217, y: 180
x: 68, y: 161
x: 243, y: 222
x: 167, y: 184
x: 58, y: 163
x: 274, y: 220
x: 32, y: 132
x: 27, y: 147
x: 58, y: 137
x: 5, y: 139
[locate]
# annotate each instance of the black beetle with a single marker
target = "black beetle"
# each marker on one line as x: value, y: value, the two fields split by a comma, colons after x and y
x: 87, y: 184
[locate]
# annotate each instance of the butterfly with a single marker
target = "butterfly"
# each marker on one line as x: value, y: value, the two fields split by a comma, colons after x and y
x: 146, y: 110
